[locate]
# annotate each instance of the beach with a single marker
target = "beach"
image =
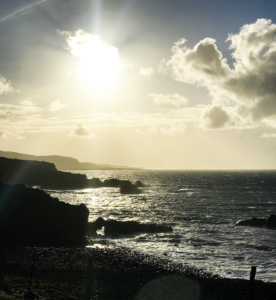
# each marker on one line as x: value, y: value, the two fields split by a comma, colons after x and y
x: 116, y: 273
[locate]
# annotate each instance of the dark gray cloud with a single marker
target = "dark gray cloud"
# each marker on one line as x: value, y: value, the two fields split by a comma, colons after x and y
x: 216, y: 117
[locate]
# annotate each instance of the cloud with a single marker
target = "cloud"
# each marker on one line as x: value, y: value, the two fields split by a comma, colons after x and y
x: 173, y: 128
x: 147, y: 73
x: 215, y: 117
x: 25, y: 107
x: 249, y: 86
x: 201, y: 65
x: 174, y: 99
x: 82, y: 132
x: 170, y: 128
x: 56, y: 106
x: 6, y: 115
x: 7, y: 135
x: 268, y: 135
x: 170, y: 122
x: 5, y: 85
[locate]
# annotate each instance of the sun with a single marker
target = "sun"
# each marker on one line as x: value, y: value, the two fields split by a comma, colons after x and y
x: 99, y: 63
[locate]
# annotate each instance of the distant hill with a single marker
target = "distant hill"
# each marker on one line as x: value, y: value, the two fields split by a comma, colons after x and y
x: 63, y: 162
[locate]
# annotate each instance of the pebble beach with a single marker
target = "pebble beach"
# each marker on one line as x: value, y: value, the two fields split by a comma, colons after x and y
x: 115, y: 273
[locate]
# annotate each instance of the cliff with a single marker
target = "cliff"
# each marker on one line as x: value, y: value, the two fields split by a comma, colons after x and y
x: 46, y: 176
x: 63, y: 162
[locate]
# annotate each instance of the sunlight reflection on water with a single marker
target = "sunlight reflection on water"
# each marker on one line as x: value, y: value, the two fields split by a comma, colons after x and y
x: 202, y: 207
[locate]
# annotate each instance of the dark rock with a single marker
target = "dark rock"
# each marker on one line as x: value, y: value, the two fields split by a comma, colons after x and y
x: 138, y: 183
x: 258, y: 222
x: 125, y: 227
x: 46, y: 176
x: 243, y: 223
x: 30, y: 216
x: 252, y: 222
x: 271, y: 221
x: 31, y: 296
x: 116, y: 183
x: 125, y: 189
x: 95, y: 182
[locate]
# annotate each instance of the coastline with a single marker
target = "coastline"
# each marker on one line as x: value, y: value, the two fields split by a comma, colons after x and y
x: 116, y: 273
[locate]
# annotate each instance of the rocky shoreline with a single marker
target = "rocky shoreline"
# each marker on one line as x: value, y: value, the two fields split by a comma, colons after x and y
x: 46, y: 176
x: 116, y: 273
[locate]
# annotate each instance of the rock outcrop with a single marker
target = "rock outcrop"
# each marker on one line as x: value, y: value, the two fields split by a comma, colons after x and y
x: 116, y: 183
x: 259, y: 222
x: 125, y: 227
x: 124, y: 189
x: 271, y: 221
x: 46, y: 176
x: 138, y: 183
x: 30, y: 216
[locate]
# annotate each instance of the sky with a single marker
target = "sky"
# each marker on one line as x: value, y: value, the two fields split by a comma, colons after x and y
x: 155, y: 84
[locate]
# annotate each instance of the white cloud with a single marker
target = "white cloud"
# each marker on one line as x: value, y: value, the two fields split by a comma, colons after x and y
x: 173, y: 128
x: 82, y: 132
x: 25, y: 107
x: 5, y: 115
x: 268, y: 135
x: 169, y: 128
x: 5, y: 85
x: 7, y: 135
x: 147, y: 73
x: 56, y: 106
x: 166, y: 123
x: 249, y: 87
x: 202, y: 65
x: 174, y: 99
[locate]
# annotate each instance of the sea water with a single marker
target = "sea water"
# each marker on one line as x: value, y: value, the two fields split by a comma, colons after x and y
x: 202, y: 207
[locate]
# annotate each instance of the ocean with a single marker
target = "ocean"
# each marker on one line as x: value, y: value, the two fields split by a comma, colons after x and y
x: 202, y: 207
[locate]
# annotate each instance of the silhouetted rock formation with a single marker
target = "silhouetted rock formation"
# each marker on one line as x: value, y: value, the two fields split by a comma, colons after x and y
x: 63, y: 162
x: 270, y: 222
x: 125, y: 189
x: 138, y: 183
x: 116, y: 183
x: 113, y: 226
x: 30, y: 216
x: 46, y: 176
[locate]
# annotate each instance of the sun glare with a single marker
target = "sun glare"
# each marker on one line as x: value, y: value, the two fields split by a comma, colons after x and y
x: 100, y: 63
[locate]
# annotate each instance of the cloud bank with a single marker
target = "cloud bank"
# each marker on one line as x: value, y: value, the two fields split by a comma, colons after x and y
x: 26, y: 107
x: 7, y: 135
x: 249, y: 88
